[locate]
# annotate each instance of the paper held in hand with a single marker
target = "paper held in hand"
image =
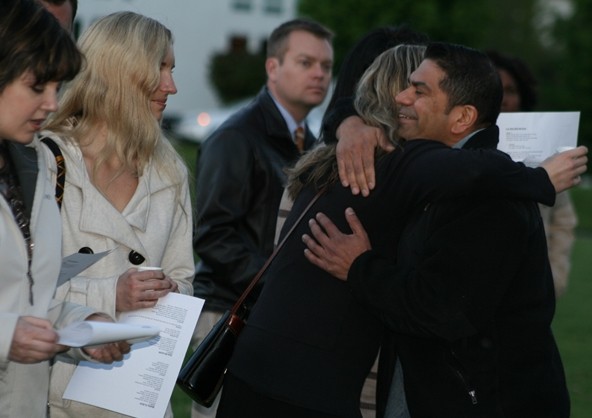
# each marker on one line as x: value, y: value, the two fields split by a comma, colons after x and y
x: 77, y: 263
x: 142, y: 384
x: 532, y: 137
x: 87, y: 333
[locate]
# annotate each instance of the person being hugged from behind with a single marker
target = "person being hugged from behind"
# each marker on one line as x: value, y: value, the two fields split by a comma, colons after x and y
x: 126, y: 188
x: 36, y: 55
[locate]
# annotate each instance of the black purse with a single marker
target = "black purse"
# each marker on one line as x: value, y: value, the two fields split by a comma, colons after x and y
x: 202, y: 376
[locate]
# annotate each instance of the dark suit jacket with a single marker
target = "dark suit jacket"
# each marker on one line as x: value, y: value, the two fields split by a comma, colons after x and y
x: 308, y: 341
x: 240, y: 179
x: 471, y: 301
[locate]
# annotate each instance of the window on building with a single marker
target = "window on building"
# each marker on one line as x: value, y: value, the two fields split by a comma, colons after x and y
x: 273, y: 6
x: 242, y: 5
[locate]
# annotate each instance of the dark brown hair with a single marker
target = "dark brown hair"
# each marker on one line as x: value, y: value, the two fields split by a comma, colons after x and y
x: 31, y: 39
x: 469, y: 79
x: 525, y: 81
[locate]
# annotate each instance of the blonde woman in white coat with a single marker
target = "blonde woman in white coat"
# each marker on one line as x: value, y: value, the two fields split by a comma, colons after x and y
x: 35, y: 56
x: 126, y: 188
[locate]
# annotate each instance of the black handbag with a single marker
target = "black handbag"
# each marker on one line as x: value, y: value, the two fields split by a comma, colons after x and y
x: 202, y: 376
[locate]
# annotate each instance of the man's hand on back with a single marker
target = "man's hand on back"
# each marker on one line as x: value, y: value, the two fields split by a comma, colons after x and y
x: 332, y: 250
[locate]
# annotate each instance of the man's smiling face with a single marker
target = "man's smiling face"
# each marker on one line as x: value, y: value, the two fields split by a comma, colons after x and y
x: 423, y: 106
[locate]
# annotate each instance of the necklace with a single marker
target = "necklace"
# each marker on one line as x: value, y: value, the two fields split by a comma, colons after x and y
x: 10, y: 189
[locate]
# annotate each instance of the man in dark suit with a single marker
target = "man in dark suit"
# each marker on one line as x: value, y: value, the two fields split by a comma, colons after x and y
x: 240, y: 171
x: 470, y: 296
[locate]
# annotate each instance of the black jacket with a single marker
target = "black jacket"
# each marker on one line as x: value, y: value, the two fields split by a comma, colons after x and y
x: 240, y: 179
x: 308, y: 341
x: 471, y: 300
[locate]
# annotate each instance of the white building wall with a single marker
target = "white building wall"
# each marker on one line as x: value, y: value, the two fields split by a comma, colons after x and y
x: 201, y: 28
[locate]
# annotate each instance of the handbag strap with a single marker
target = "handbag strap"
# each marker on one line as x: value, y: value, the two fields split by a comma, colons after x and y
x: 61, y: 167
x: 277, y: 249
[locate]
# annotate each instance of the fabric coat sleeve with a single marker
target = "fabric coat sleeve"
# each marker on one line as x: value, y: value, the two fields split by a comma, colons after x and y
x: 61, y: 314
x: 445, y: 173
x: 177, y: 261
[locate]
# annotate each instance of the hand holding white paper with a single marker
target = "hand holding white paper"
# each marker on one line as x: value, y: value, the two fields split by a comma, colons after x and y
x: 142, y: 384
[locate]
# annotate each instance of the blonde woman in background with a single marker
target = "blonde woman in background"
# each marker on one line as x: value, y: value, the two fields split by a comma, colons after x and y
x: 126, y: 188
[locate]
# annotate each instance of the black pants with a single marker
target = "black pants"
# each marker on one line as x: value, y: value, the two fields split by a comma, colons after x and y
x: 240, y: 401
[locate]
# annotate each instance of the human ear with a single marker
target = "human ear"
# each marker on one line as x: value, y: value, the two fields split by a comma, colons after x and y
x: 464, y: 119
x: 271, y: 66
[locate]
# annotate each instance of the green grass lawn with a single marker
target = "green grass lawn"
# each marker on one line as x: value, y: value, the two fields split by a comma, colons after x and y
x: 573, y: 320
x: 573, y: 330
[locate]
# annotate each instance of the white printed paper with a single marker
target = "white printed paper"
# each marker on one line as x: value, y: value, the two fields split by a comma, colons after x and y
x: 142, y: 384
x: 532, y: 137
x: 86, y: 333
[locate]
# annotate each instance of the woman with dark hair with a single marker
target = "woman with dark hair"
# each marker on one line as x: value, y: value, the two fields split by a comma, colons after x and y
x: 518, y: 82
x: 36, y: 55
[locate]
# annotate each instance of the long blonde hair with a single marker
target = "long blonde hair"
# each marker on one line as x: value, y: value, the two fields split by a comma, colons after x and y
x: 123, y: 53
x: 374, y: 103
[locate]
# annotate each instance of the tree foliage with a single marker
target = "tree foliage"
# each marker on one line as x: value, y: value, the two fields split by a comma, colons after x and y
x: 571, y: 85
x: 237, y: 75
x: 477, y: 24
x: 561, y: 65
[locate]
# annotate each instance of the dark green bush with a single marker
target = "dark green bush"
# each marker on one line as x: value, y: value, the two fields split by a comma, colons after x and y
x: 237, y: 75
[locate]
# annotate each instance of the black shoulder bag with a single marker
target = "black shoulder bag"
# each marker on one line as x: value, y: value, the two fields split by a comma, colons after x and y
x: 201, y: 377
